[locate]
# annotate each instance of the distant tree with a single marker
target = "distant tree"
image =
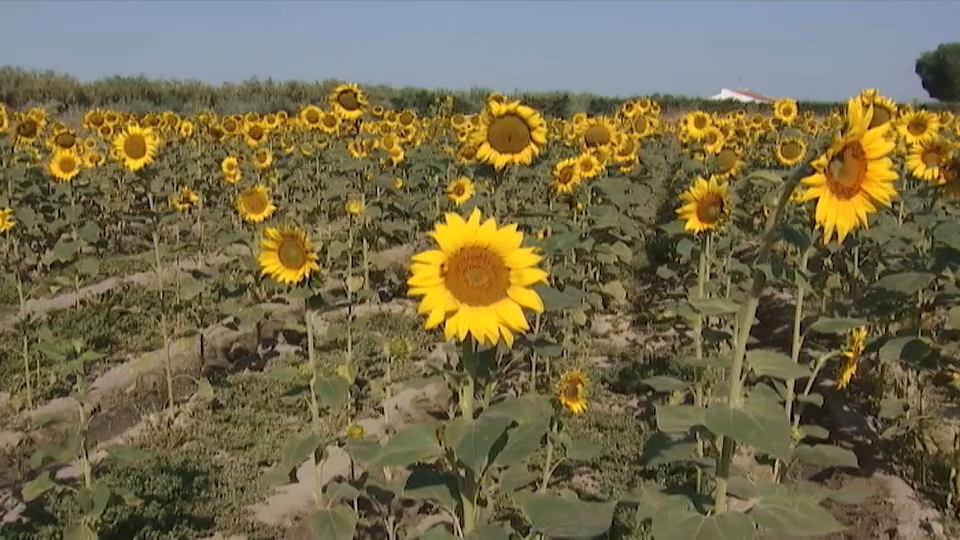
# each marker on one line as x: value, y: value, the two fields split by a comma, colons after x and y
x: 939, y: 70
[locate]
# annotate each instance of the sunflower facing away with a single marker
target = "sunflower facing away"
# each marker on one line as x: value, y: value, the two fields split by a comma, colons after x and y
x: 478, y: 281
x: 136, y: 146
x: 64, y: 165
x: 572, y: 391
x: 460, y: 190
x: 853, y: 177
x: 856, y: 343
x: 926, y: 159
x: 566, y: 175
x: 254, y: 204
x: 7, y: 223
x: 706, y: 205
x: 287, y: 255
x: 791, y: 151
x: 509, y: 134
x: 185, y: 199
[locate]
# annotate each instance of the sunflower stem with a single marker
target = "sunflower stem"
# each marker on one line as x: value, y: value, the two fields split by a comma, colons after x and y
x: 468, y: 352
x: 314, y: 403
x: 703, y: 266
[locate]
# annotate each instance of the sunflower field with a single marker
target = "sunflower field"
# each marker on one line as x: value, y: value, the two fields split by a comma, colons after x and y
x: 350, y: 320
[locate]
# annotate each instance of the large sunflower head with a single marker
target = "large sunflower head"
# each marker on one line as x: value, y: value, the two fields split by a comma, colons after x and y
x: 918, y: 126
x: 27, y: 130
x: 695, y: 123
x: 64, y: 165
x: 572, y: 391
x: 287, y: 255
x: 790, y: 151
x: 310, y: 116
x: 597, y: 132
x: 460, y: 190
x: 254, y: 204
x: 255, y: 132
x: 728, y: 163
x: 347, y: 101
x: 566, y: 175
x: 509, y: 134
x: 853, y: 177
x: 478, y: 281
x: 706, y: 205
x: 785, y: 110
x: 136, y: 146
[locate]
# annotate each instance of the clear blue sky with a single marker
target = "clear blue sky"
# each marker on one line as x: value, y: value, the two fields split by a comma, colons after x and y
x: 810, y: 49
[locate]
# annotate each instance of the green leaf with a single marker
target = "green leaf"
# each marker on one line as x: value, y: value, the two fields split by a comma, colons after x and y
x: 614, y: 289
x: 342, y: 491
x: 663, y: 448
x: 438, y: 532
x: 683, y: 524
x: 760, y: 425
x: 582, y: 449
x: 363, y: 451
x: 64, y: 250
x: 556, y: 516
x: 830, y: 325
x: 678, y: 418
x: 101, y: 496
x: 826, y: 455
x: 767, y: 363
x: 125, y: 454
x: 554, y: 300
x: 522, y: 442
x: 909, y: 349
x: 88, y: 266
x: 788, y: 514
x: 905, y: 282
x: 662, y: 383
x: 333, y: 391
x: 715, y: 307
x: 524, y: 409
x: 472, y: 440
x: 333, y: 524
x: 953, y: 318
x: 408, y: 446
x: 79, y: 531
x: 205, y: 391
x: 517, y: 477
x: 297, y: 449
x: 37, y: 487
x: 488, y: 532
x: 428, y: 484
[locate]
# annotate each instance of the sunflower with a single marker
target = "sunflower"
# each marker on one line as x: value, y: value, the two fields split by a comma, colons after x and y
x: 287, y: 255
x: 233, y: 177
x: 185, y: 199
x: 566, y: 175
x: 950, y: 177
x: 597, y: 132
x: 354, y: 207
x: 27, y: 131
x: 64, y: 165
x: 706, y: 205
x: 347, y: 101
x: 229, y: 165
x: 136, y: 146
x: 93, y: 119
x: 712, y: 139
x: 355, y: 431
x: 254, y: 204
x: 255, y: 133
x: 856, y: 344
x: 93, y: 159
x: 696, y: 122
x: 884, y: 108
x: 7, y: 223
x: 853, y: 177
x: 785, y: 110
x: 478, y: 281
x: 65, y: 140
x: 728, y: 163
x: 460, y: 190
x: 509, y: 134
x: 918, y: 126
x: 791, y: 151
x: 925, y: 159
x: 310, y: 116
x: 397, y: 183
x: 588, y: 165
x: 329, y: 123
x: 572, y: 391
x: 263, y: 158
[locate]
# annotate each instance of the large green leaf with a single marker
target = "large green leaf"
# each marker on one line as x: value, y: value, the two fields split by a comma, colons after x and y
x: 406, y: 447
x: 758, y: 424
x: 472, y: 440
x: 333, y: 391
x: 428, y: 484
x: 662, y: 383
x: 663, y: 448
x: 523, y: 409
x: 488, y: 532
x: 556, y: 516
x: 683, y: 524
x: 905, y: 282
x: 715, y: 307
x: 767, y: 363
x: 522, y: 442
x: 830, y: 325
x: 826, y: 455
x: 791, y: 514
x: 333, y: 524
x: 678, y: 418
x: 297, y: 449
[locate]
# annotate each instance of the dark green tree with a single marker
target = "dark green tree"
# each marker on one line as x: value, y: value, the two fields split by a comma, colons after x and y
x: 939, y: 70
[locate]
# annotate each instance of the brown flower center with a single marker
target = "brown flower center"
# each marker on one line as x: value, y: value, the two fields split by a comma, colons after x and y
x: 476, y: 276
x: 710, y: 209
x: 135, y: 146
x: 597, y: 135
x: 292, y: 254
x: 847, y: 171
x: 509, y: 134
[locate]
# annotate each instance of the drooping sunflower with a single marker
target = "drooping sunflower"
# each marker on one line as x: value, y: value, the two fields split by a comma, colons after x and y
x: 347, y: 101
x: 572, y: 391
x: 856, y: 344
x: 185, y: 199
x: 785, y: 110
x: 460, y: 190
x: 853, y: 177
x: 254, y: 204
x: 566, y: 175
x: 509, y: 134
x: 791, y: 151
x: 136, y: 146
x: 925, y: 159
x: 478, y: 282
x: 918, y: 126
x: 706, y: 205
x: 64, y: 165
x: 7, y: 223
x: 287, y: 255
